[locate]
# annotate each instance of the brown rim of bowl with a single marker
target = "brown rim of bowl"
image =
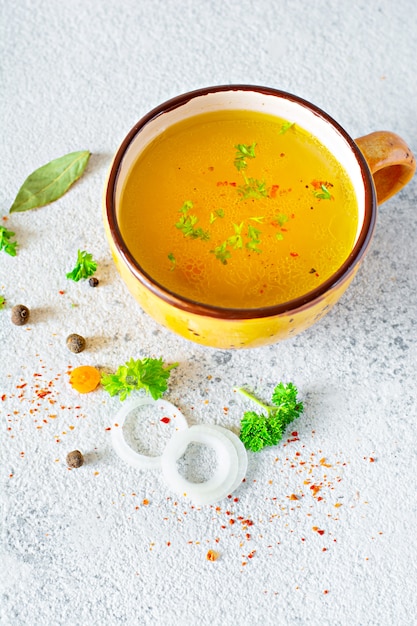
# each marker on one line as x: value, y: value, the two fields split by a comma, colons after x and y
x: 226, y: 313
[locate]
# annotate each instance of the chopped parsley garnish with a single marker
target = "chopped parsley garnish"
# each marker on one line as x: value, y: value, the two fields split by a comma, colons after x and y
x: 285, y: 126
x: 243, y: 152
x: 324, y: 194
x: 253, y: 189
x: 186, y: 224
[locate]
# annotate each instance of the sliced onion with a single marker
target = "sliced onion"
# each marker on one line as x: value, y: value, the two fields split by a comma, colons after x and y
x: 125, y: 452
x: 230, y: 470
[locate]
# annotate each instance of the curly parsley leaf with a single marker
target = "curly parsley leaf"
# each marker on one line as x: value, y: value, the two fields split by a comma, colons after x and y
x: 5, y: 241
x: 243, y: 152
x: 84, y: 267
x: 259, y: 430
x: 186, y: 223
x: 148, y: 374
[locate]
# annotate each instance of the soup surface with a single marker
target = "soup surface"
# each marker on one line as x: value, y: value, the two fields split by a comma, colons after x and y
x: 238, y: 209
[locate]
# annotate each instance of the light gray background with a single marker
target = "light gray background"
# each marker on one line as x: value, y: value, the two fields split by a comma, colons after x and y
x: 77, y: 546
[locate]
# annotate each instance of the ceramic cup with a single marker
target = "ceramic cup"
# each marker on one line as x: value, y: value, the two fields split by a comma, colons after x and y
x: 378, y: 164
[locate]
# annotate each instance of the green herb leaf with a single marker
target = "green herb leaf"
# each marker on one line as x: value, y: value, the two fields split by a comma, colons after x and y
x: 148, y: 374
x: 222, y: 253
x: 173, y: 260
x: 186, y: 224
x: 324, y: 194
x: 215, y: 214
x: 84, y: 267
x: 281, y: 218
x: 2, y: 301
x: 285, y: 126
x: 51, y: 181
x: 260, y: 430
x: 244, y: 152
x: 253, y: 189
x: 5, y: 241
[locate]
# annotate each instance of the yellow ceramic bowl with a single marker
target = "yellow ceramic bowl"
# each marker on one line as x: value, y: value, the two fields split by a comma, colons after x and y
x: 382, y: 155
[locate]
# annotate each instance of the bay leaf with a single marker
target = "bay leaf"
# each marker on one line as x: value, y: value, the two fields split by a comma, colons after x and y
x: 51, y: 181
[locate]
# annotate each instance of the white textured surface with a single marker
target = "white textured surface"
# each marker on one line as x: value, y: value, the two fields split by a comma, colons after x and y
x: 77, y: 547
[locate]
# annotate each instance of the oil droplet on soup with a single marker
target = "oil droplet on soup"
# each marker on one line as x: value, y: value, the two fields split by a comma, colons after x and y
x: 238, y: 209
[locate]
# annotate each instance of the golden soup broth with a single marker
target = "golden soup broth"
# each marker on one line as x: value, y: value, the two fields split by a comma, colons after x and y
x: 238, y: 227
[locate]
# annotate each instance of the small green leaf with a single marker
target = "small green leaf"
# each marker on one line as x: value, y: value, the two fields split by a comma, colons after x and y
x: 5, y: 241
x: 50, y: 182
x: 285, y: 126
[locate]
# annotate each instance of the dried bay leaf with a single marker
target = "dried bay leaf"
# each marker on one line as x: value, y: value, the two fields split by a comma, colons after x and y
x: 51, y: 181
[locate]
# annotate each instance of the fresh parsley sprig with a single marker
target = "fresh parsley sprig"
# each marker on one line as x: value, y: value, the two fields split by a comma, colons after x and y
x: 243, y: 152
x: 5, y: 241
x: 148, y: 374
x: 259, y: 430
x: 187, y: 223
x: 84, y: 267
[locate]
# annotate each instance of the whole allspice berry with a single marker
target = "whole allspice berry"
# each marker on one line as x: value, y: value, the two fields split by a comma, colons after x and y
x: 75, y: 343
x: 75, y: 459
x: 20, y: 314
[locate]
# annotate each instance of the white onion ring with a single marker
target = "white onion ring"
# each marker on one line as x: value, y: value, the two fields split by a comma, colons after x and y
x: 231, y: 463
x: 125, y: 452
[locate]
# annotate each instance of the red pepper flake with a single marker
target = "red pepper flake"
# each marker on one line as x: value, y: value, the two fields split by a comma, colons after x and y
x: 274, y: 189
x: 294, y: 254
x: 61, y: 292
x: 324, y: 549
x: 145, y: 502
x: 315, y: 489
x: 293, y: 496
x: 165, y: 420
x: 168, y: 543
x: 294, y: 433
x: 326, y: 591
x: 42, y: 393
x: 4, y: 397
x: 371, y: 459
x: 323, y: 463
x: 231, y: 521
x: 212, y: 555
x: 109, y: 428
x: 251, y: 554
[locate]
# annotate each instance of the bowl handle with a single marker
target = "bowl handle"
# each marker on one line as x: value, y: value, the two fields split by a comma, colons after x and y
x: 390, y: 160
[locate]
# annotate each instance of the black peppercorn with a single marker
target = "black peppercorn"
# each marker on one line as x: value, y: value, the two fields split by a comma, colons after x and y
x: 20, y: 314
x: 75, y: 459
x: 93, y: 281
x: 75, y: 343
